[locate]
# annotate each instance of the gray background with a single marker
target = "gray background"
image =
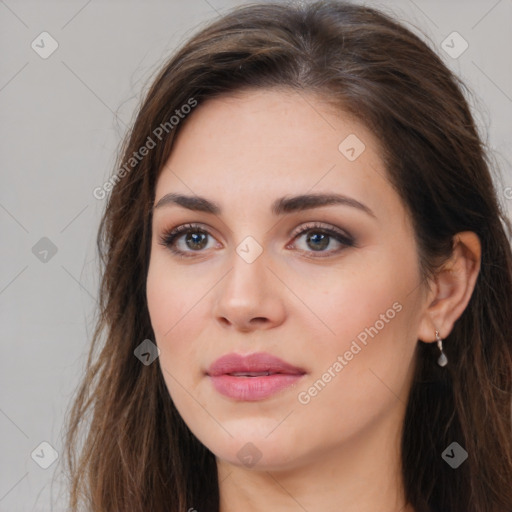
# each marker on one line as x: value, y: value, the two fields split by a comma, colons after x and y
x: 62, y: 120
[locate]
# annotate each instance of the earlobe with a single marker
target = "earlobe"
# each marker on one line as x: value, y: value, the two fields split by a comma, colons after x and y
x: 452, y: 287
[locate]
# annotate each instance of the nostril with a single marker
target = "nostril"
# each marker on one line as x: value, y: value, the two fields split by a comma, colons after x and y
x: 258, y: 321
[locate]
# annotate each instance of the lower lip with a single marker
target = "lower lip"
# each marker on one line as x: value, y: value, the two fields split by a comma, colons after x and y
x: 253, y: 388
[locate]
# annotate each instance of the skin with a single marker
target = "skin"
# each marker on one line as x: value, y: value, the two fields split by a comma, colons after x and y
x: 340, y: 450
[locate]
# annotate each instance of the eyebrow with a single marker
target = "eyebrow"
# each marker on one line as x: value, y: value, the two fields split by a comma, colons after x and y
x: 280, y: 206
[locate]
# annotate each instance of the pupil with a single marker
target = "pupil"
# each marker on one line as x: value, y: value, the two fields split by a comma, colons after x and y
x: 324, y: 240
x: 196, y: 239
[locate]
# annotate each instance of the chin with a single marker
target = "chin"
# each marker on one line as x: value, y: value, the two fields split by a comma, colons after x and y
x: 256, y: 452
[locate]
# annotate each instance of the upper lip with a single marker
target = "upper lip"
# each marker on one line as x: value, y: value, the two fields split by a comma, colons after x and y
x: 253, y: 363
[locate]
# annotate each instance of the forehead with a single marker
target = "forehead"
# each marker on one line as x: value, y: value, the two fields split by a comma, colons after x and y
x: 266, y: 123
x: 266, y: 143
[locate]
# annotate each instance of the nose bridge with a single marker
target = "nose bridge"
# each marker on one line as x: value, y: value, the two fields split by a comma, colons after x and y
x: 247, y: 292
x: 249, y: 258
x: 247, y: 278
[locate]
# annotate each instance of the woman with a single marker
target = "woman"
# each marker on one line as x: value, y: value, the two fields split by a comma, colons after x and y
x: 307, y: 283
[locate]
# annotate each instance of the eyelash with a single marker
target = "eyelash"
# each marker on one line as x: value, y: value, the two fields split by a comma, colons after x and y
x: 169, y: 237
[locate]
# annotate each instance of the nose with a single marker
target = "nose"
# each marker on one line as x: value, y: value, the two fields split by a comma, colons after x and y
x: 250, y: 296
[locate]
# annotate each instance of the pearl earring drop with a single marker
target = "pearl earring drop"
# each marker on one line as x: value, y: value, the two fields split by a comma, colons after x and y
x: 442, y: 360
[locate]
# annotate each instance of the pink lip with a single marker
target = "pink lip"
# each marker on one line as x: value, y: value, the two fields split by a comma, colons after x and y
x: 281, y: 375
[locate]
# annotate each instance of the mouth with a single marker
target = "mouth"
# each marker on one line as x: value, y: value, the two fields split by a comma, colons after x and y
x: 253, y: 377
x: 251, y: 374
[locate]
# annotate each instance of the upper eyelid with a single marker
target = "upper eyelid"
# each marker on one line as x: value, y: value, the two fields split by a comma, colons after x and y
x: 298, y: 230
x: 182, y: 229
x: 320, y: 226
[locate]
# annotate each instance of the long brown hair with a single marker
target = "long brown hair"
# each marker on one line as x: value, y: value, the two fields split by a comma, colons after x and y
x: 138, y: 455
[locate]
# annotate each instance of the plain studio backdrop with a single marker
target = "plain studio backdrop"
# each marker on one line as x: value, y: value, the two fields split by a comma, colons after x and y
x: 72, y: 74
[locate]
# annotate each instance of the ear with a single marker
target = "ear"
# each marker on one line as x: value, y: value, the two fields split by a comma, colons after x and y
x: 451, y: 287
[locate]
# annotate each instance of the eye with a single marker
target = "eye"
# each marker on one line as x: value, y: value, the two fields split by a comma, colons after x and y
x: 195, y: 239
x: 319, y: 238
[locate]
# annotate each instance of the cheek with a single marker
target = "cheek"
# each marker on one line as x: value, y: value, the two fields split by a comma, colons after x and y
x: 369, y: 316
x: 172, y: 294
x: 361, y: 300
x: 176, y: 300
x: 365, y: 366
x: 178, y: 306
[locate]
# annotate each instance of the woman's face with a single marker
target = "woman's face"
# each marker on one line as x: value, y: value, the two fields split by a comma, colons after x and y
x: 340, y: 303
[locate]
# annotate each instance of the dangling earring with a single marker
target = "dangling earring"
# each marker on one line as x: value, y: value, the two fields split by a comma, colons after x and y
x: 443, y: 360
